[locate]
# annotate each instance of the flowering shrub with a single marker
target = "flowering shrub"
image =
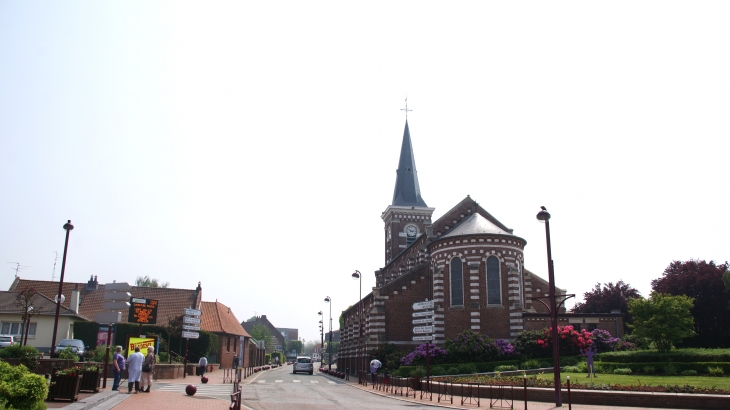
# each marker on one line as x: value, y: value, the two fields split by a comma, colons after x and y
x: 70, y: 371
x: 603, y: 341
x: 418, y: 356
x: 569, y: 340
x: 470, y: 346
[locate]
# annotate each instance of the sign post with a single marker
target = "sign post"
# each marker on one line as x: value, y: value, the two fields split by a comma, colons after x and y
x: 191, y: 322
x: 115, y: 299
x: 424, y: 331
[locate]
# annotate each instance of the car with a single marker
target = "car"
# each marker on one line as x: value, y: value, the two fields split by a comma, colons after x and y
x: 303, y: 364
x: 76, y: 346
x: 6, y: 340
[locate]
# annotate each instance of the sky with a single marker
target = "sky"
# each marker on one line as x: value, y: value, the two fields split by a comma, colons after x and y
x: 252, y: 146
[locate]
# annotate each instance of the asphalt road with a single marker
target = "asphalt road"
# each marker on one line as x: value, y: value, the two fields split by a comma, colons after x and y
x: 280, y: 389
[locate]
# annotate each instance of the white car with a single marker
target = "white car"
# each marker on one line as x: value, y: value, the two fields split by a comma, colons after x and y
x: 303, y: 364
x: 6, y: 340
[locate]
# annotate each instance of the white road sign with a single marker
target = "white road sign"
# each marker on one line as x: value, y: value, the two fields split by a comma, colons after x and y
x: 115, y: 305
x: 190, y: 335
x: 192, y: 312
x: 422, y: 314
x: 424, y: 320
x: 423, y: 305
x: 117, y: 296
x: 192, y: 320
x: 422, y: 329
x: 108, y: 317
x: 422, y: 338
x: 190, y: 327
x: 117, y: 286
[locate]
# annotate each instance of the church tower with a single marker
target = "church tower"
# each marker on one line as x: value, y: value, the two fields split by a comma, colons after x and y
x: 408, y: 216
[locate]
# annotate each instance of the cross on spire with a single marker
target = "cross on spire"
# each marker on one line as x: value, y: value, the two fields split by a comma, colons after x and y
x: 406, y: 109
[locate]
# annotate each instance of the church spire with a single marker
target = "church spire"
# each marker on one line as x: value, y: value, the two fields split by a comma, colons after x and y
x: 407, y: 192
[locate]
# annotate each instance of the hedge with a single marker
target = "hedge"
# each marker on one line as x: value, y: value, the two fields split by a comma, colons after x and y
x: 638, y: 367
x: 674, y: 356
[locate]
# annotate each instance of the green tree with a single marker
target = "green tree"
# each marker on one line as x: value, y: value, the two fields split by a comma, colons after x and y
x: 262, y: 333
x: 308, y: 348
x: 148, y: 282
x: 663, y: 319
x: 294, y: 345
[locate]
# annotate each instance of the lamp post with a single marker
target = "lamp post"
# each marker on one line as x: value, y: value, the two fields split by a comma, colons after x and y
x: 329, y: 345
x: 358, y: 276
x: 544, y: 216
x: 321, y: 335
x: 68, y: 227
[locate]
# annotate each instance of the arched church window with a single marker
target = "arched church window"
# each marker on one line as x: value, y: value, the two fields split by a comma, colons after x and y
x: 457, y: 282
x: 494, y: 287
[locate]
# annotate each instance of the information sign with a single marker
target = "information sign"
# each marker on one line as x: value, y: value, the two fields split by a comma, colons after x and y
x: 423, y: 329
x: 422, y: 338
x: 143, y: 311
x: 190, y: 327
x: 423, y: 305
x: 192, y: 312
x: 192, y: 320
x: 190, y: 335
x: 422, y: 314
x: 421, y: 321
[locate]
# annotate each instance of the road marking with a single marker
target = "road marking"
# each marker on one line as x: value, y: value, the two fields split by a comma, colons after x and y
x: 297, y: 381
x: 262, y: 381
x: 279, y: 381
x: 331, y: 382
x: 314, y: 382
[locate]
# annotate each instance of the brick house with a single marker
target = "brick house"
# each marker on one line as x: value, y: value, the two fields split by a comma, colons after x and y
x: 467, y: 262
x: 277, y: 339
x: 219, y: 319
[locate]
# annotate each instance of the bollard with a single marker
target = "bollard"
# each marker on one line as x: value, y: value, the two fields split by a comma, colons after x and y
x: 524, y: 376
x: 570, y: 405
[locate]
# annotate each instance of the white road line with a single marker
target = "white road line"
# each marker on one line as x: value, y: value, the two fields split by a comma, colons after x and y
x: 261, y: 381
x: 297, y: 381
x: 279, y: 381
x: 331, y: 382
x: 314, y: 382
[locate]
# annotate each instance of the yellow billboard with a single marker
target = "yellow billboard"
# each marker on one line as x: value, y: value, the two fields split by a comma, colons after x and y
x: 142, y: 342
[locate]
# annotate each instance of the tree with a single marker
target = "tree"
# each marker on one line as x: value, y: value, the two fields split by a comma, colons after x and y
x: 607, y: 298
x: 308, y: 348
x: 148, y: 282
x: 24, y: 300
x: 295, y: 345
x: 702, y: 281
x: 664, y: 319
x: 262, y: 333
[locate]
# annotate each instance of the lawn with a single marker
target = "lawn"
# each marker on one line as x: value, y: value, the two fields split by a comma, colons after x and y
x: 648, y: 379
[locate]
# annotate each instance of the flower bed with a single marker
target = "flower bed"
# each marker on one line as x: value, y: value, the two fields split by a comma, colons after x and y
x: 65, y: 384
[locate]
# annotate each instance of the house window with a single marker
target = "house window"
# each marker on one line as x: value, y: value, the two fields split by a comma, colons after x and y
x: 16, y: 329
x: 457, y: 282
x: 494, y: 288
x: 228, y: 344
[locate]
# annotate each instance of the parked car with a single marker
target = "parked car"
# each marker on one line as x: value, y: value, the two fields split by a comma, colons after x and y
x: 303, y: 364
x: 76, y: 345
x: 6, y: 340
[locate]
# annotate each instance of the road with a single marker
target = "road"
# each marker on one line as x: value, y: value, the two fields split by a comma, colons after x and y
x: 280, y: 389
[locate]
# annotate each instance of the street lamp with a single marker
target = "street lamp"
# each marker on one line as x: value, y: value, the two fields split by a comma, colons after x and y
x: 321, y: 336
x: 358, y: 276
x: 329, y: 345
x: 544, y: 217
x: 68, y: 227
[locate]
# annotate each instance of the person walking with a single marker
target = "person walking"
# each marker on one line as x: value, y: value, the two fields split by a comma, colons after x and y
x: 202, y: 365
x: 134, y: 363
x: 590, y: 353
x: 147, y: 369
x: 119, y: 366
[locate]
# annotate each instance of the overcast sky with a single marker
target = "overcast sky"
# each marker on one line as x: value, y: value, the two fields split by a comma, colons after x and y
x: 252, y: 146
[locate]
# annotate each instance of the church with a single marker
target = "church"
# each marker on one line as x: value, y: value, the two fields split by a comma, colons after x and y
x: 467, y: 263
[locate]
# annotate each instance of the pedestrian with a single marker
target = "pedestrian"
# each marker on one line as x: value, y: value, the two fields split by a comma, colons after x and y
x: 147, y: 370
x: 134, y: 363
x: 202, y: 365
x: 119, y: 365
x: 236, y: 362
x: 373, y: 372
x: 589, y: 353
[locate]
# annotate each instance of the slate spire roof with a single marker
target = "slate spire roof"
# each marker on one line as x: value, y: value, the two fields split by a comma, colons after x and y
x: 407, y: 192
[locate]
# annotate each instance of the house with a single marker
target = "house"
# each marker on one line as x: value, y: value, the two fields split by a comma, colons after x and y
x: 232, y: 337
x: 40, y: 330
x: 276, y: 339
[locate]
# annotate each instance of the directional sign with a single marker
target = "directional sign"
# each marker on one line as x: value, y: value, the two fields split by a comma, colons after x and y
x: 421, y: 338
x: 422, y: 314
x: 108, y: 317
x: 115, y: 305
x: 190, y: 327
x: 117, y: 296
x: 423, y: 305
x: 192, y: 320
x: 190, y: 335
x: 117, y: 286
x: 192, y: 312
x: 424, y: 320
x: 423, y: 329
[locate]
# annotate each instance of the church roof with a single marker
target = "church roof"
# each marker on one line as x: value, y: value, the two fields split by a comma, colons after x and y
x: 407, y: 191
x: 476, y: 224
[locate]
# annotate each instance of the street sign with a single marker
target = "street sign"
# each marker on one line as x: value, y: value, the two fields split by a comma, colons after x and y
x: 143, y: 311
x: 193, y: 320
x: 117, y: 286
x: 115, y: 305
x: 421, y: 321
x: 422, y: 314
x: 190, y: 327
x: 108, y: 317
x: 190, y: 335
x: 422, y: 338
x: 423, y: 305
x: 192, y: 312
x: 117, y: 296
x: 423, y: 329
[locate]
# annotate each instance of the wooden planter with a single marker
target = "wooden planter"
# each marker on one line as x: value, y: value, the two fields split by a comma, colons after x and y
x: 90, y: 381
x: 64, y: 387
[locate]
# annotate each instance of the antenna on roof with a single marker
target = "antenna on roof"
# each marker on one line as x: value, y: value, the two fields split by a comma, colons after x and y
x: 53, y: 276
x: 18, y: 267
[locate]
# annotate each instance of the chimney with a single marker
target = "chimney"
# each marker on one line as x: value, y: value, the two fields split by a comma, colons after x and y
x: 92, y: 284
x: 75, y: 299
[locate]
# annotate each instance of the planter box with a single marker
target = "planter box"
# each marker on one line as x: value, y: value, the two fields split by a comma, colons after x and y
x: 64, y: 387
x: 90, y: 381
